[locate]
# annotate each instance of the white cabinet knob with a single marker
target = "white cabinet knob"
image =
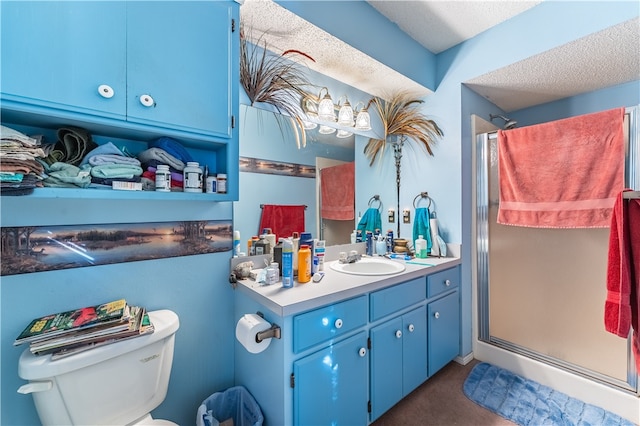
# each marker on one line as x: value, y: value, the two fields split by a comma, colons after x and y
x: 437, y: 315
x: 146, y: 100
x: 105, y: 91
x: 411, y: 327
x: 362, y: 352
x: 398, y: 334
x: 338, y: 323
x: 447, y: 282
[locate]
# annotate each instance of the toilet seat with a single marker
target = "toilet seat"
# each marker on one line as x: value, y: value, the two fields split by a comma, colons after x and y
x: 150, y: 421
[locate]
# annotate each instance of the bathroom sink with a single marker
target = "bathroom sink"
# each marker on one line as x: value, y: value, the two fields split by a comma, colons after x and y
x: 369, y: 266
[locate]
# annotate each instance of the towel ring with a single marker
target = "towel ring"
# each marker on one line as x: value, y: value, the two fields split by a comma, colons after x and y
x: 421, y: 196
x: 375, y: 198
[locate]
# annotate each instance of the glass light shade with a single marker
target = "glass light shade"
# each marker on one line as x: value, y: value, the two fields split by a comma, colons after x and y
x: 345, y: 115
x: 343, y: 134
x: 326, y: 130
x: 325, y: 109
x: 363, y: 120
x: 308, y: 125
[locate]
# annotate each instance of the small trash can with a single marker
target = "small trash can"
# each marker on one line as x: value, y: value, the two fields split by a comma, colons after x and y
x: 232, y: 407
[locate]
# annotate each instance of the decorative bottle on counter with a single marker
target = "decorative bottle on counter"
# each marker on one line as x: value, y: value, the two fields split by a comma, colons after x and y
x: 192, y: 177
x: 163, y: 178
x: 304, y: 264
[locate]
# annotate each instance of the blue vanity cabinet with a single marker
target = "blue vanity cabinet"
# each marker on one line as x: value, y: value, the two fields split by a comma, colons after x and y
x: 443, y: 318
x: 398, y: 359
x: 331, y: 385
x: 164, y: 64
x: 330, y: 376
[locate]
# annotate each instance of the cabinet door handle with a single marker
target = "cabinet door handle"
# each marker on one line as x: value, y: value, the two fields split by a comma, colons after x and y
x: 447, y: 282
x: 411, y: 327
x: 362, y: 352
x: 106, y: 91
x: 436, y: 315
x: 146, y: 100
x: 398, y: 334
x: 338, y: 323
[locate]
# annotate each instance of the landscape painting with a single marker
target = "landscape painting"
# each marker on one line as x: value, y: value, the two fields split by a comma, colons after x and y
x: 27, y: 249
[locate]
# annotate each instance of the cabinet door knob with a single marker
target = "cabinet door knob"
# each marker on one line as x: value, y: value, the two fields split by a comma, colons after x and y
x: 398, y: 334
x: 411, y: 327
x: 338, y: 323
x: 447, y: 282
x: 437, y: 315
x: 146, y: 100
x: 105, y: 91
x: 362, y: 352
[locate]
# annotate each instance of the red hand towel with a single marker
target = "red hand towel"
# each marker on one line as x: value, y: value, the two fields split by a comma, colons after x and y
x: 623, y: 273
x: 283, y: 220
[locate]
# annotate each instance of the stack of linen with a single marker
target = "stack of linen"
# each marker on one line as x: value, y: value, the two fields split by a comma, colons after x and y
x: 20, y: 172
x: 109, y: 164
x: 167, y: 151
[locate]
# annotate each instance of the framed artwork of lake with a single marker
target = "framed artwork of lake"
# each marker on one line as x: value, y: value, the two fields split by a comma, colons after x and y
x: 27, y: 249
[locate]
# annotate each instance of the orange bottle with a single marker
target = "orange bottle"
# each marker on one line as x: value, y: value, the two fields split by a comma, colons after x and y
x: 304, y: 264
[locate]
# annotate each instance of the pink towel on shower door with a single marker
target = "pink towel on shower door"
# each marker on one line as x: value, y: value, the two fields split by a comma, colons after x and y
x: 562, y: 174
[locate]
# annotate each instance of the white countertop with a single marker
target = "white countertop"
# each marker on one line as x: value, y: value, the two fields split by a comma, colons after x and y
x: 336, y: 286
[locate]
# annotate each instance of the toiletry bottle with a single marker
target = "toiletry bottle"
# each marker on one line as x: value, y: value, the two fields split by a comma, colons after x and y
x: 304, y: 264
x: 192, y: 177
x: 205, y: 176
x: 421, y: 247
x: 381, y: 245
x: 271, y: 238
x: 296, y: 246
x: 236, y: 243
x: 163, y: 178
x: 254, y: 241
x: 262, y: 246
x: 353, y: 237
x: 287, y: 263
x: 390, y: 241
x: 277, y: 253
x: 320, y: 247
x: 307, y: 239
x: 369, y: 241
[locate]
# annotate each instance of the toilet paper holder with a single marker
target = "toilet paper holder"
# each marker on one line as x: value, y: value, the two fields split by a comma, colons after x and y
x: 272, y: 332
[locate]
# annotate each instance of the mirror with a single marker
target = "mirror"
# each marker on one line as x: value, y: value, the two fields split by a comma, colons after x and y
x: 274, y: 171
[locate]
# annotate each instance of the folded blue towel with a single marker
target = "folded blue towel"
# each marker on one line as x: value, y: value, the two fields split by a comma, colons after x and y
x: 370, y: 221
x: 172, y: 147
x: 421, y: 226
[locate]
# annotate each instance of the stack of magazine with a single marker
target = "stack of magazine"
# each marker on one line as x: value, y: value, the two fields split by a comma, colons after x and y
x: 78, y: 330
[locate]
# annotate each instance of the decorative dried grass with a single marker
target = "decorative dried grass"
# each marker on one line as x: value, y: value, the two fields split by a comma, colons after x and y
x: 401, y: 116
x: 276, y: 80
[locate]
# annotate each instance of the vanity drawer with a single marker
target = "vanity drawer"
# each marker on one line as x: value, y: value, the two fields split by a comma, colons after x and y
x: 443, y: 281
x: 328, y: 322
x: 392, y: 299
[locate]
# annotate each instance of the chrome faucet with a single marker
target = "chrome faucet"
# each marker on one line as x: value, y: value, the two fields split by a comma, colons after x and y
x: 352, y: 258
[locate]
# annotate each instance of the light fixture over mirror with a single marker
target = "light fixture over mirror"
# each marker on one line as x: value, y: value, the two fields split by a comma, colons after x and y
x: 322, y: 109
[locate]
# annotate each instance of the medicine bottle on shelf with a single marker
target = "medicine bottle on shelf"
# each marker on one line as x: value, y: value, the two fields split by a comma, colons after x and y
x: 163, y: 178
x: 192, y: 175
x: 221, y: 183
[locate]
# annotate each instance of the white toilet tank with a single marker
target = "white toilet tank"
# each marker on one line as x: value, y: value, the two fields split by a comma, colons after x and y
x: 117, y: 384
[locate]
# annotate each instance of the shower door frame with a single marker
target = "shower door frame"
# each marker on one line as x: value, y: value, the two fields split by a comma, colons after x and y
x: 632, y: 179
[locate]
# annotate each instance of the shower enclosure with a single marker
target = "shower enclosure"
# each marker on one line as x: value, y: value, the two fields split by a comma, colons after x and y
x: 541, y: 292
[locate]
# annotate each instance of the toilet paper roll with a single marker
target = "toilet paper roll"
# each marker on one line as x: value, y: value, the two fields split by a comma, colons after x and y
x: 246, y: 330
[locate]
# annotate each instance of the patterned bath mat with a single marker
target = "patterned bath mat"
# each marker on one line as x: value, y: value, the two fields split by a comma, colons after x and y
x: 529, y: 403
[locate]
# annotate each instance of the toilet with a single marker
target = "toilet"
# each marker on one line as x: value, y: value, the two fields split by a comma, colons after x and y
x: 116, y: 384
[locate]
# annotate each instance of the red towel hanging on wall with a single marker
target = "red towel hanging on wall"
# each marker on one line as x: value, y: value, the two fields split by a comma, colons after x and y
x: 283, y: 220
x: 338, y: 193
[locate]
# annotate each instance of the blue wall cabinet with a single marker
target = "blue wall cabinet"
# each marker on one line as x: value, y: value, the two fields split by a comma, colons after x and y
x: 398, y: 359
x: 331, y: 385
x: 57, y: 55
x: 163, y: 64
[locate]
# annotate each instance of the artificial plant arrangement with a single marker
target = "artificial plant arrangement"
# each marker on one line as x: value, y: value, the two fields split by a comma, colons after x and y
x: 278, y: 80
x: 401, y: 119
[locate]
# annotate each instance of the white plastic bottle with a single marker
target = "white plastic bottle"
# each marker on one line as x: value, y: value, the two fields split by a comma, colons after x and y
x: 287, y: 263
x: 236, y: 243
x: 421, y: 247
x: 163, y: 178
x: 192, y: 177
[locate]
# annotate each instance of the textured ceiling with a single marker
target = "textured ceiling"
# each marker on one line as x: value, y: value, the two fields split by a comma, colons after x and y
x: 597, y: 61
